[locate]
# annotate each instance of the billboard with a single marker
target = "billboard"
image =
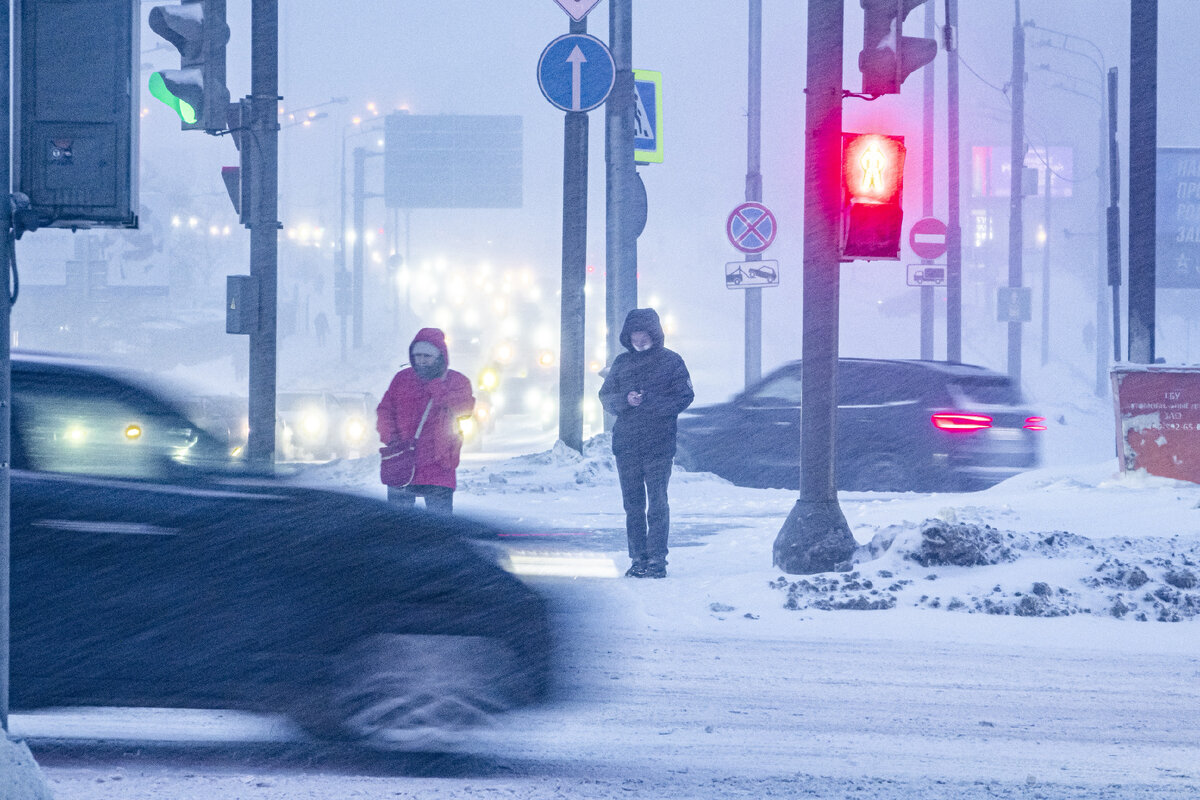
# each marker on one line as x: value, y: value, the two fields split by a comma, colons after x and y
x: 452, y: 161
x: 991, y: 168
x: 1177, y: 228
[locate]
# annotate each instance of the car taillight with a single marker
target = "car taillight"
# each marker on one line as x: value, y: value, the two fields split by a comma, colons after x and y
x: 961, y: 422
x: 1035, y: 423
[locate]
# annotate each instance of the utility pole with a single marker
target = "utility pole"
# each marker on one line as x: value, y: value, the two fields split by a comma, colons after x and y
x: 1016, y: 230
x: 621, y: 228
x: 264, y: 227
x: 571, y: 369
x: 1046, y: 268
x: 6, y: 232
x: 753, y: 357
x: 927, y: 183
x: 815, y: 536
x: 1114, y: 214
x: 1143, y: 172
x: 953, y: 223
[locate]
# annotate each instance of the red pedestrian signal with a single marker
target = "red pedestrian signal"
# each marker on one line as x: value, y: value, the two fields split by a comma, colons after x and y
x: 872, y: 191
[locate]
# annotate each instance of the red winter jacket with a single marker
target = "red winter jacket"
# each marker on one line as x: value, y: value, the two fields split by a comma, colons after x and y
x: 399, y: 414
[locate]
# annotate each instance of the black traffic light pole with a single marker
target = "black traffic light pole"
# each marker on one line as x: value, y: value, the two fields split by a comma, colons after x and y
x: 815, y: 536
x: 1143, y: 152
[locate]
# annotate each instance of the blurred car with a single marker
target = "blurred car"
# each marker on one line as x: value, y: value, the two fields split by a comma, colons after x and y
x: 305, y: 426
x: 151, y: 569
x: 901, y: 425
x: 224, y: 416
x: 353, y: 423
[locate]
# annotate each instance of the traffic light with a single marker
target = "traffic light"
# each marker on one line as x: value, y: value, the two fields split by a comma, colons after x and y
x: 888, y: 57
x: 872, y: 191
x: 196, y: 91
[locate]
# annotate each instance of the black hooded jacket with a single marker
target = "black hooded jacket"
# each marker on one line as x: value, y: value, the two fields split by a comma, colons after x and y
x: 662, y: 378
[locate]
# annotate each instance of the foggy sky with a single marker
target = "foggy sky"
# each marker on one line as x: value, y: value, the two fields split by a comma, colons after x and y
x: 472, y: 57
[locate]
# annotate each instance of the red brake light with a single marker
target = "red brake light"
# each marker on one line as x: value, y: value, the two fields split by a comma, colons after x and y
x: 961, y: 422
x: 1035, y: 423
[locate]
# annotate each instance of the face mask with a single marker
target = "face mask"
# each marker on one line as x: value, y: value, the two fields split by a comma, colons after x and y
x: 642, y: 348
x: 428, y: 371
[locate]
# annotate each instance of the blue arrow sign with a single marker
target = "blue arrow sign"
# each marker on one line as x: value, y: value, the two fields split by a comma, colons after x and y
x: 576, y: 72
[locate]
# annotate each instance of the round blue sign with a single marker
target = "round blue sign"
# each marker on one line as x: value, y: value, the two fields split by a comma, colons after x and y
x: 576, y: 72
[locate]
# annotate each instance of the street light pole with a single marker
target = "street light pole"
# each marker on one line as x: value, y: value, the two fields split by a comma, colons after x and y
x: 1016, y: 229
x: 1108, y: 271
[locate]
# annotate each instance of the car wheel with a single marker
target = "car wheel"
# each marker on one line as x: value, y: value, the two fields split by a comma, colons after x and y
x: 396, y: 691
x: 880, y: 472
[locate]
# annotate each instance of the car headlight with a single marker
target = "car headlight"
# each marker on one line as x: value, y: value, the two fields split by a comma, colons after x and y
x: 467, y: 427
x: 355, y: 431
x: 312, y: 423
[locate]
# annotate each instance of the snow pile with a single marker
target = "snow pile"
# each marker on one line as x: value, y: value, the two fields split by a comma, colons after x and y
x: 1064, y: 574
x: 558, y: 469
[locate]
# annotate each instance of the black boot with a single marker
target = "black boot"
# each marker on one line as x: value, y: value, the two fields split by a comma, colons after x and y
x: 636, y: 570
x: 654, y: 569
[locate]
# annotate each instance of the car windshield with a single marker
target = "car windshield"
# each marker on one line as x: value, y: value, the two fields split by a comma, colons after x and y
x: 786, y: 388
x: 118, y: 435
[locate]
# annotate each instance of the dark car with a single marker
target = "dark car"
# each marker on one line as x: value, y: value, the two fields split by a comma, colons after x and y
x: 147, y: 570
x: 901, y: 425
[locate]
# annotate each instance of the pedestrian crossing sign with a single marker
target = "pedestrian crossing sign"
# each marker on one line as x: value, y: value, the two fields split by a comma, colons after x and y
x: 647, y: 117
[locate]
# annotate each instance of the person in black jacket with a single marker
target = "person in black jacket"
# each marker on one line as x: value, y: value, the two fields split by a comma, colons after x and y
x: 646, y: 389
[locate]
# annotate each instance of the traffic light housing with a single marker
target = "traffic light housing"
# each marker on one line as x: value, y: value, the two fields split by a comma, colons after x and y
x: 872, y: 195
x: 888, y: 57
x: 196, y: 91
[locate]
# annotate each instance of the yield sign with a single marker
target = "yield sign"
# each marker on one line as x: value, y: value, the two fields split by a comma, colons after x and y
x: 751, y: 227
x: 578, y: 9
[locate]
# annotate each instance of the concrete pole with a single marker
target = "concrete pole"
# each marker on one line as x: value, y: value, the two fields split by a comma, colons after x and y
x: 815, y: 536
x: 620, y: 230
x: 264, y: 228
x: 953, y: 224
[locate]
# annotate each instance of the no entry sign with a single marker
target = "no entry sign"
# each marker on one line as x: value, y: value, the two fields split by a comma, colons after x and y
x: 928, y: 238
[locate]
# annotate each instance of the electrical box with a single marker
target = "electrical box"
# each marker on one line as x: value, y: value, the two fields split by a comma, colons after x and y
x: 75, y: 110
x: 241, y: 304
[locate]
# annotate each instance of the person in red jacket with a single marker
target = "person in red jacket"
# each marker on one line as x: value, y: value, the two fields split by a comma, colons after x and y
x: 429, y: 382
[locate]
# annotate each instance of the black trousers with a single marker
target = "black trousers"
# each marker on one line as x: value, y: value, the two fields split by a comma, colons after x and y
x: 647, y: 514
x: 438, y: 499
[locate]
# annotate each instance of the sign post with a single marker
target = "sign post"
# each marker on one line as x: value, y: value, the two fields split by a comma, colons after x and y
x: 576, y: 73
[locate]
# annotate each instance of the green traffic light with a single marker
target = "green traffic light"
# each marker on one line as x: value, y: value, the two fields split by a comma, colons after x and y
x: 158, y: 88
